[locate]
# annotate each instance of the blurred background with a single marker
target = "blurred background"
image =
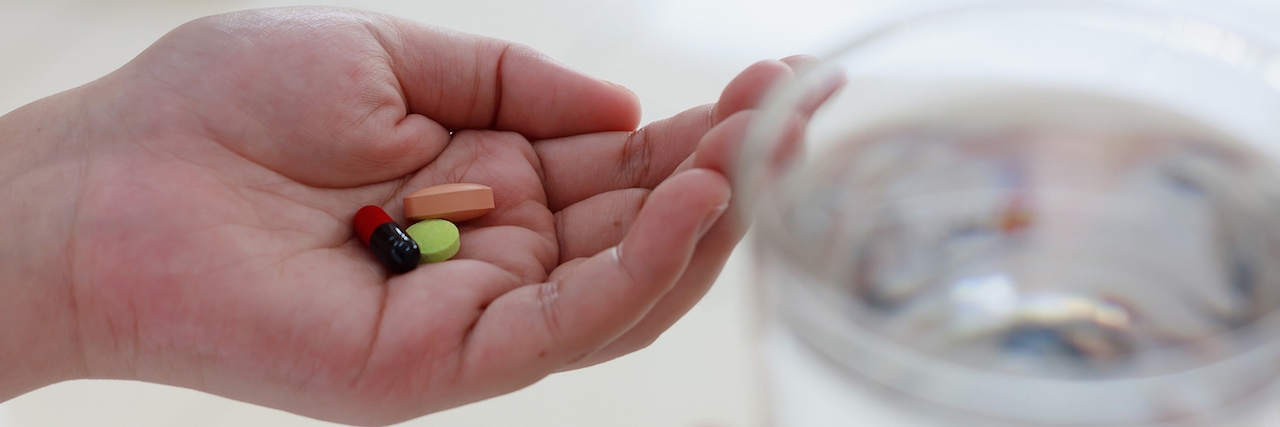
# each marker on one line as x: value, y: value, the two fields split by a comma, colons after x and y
x: 675, y: 54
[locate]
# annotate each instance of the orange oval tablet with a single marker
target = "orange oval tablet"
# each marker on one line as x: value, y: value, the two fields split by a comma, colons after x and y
x: 453, y: 202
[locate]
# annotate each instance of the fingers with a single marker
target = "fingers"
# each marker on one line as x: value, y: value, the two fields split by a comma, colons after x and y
x: 799, y: 63
x: 589, y: 226
x: 580, y: 167
x: 514, y: 249
x: 593, y: 225
x: 535, y: 330
x: 822, y: 90
x: 341, y: 98
x: 471, y: 82
x: 750, y: 87
x: 716, y: 152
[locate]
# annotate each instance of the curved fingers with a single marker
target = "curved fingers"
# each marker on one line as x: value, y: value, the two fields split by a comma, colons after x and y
x: 580, y: 167
x: 716, y: 152
x: 593, y: 225
x: 749, y: 87
x: 535, y: 330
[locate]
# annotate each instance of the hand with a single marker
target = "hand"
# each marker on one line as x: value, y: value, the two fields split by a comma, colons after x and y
x: 187, y: 219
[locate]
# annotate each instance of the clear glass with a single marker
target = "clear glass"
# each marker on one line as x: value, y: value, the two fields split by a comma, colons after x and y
x: 1024, y: 213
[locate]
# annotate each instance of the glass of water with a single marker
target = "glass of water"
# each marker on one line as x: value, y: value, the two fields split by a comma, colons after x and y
x: 1024, y: 213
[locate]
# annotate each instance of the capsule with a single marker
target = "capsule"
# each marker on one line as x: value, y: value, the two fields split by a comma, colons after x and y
x: 389, y: 243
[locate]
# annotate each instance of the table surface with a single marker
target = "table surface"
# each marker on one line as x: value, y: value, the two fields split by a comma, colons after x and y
x: 675, y: 54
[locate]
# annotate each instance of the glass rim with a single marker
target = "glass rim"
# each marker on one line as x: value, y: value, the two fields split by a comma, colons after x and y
x: 780, y: 100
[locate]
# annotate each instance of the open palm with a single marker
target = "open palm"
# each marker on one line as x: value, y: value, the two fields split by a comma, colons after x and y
x: 213, y: 247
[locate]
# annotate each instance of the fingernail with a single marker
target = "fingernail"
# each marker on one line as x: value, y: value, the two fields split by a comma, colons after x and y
x: 619, y: 86
x: 711, y: 218
x: 800, y: 62
x: 622, y: 88
x: 617, y: 252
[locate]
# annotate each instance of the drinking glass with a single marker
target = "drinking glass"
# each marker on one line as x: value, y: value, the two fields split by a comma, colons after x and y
x: 1023, y: 213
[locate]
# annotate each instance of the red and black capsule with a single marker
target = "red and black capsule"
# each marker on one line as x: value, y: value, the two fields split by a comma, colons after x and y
x: 389, y: 243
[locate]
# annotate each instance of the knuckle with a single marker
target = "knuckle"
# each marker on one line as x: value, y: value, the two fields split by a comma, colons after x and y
x: 636, y: 157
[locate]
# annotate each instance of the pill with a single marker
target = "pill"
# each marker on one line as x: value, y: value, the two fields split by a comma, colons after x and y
x: 388, y: 242
x: 453, y: 202
x: 438, y: 239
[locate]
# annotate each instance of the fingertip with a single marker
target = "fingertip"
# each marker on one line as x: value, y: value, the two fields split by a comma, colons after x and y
x: 749, y: 87
x: 719, y: 147
x: 631, y: 102
x: 820, y: 94
x: 822, y: 91
x: 466, y: 81
x: 708, y: 188
x: 799, y: 63
x: 628, y: 107
x: 673, y: 219
x: 609, y: 106
x: 543, y: 98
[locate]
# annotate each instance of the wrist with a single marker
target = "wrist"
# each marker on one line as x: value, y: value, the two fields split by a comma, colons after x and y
x: 41, y: 174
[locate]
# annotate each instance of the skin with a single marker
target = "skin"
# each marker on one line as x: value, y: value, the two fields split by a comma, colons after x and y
x: 186, y: 220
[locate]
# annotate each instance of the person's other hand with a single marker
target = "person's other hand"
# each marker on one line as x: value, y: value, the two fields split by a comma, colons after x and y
x: 188, y: 217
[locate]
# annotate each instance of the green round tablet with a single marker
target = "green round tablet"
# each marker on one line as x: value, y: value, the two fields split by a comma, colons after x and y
x: 438, y: 239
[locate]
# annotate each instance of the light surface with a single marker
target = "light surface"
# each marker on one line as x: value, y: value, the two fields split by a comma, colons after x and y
x: 675, y: 54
